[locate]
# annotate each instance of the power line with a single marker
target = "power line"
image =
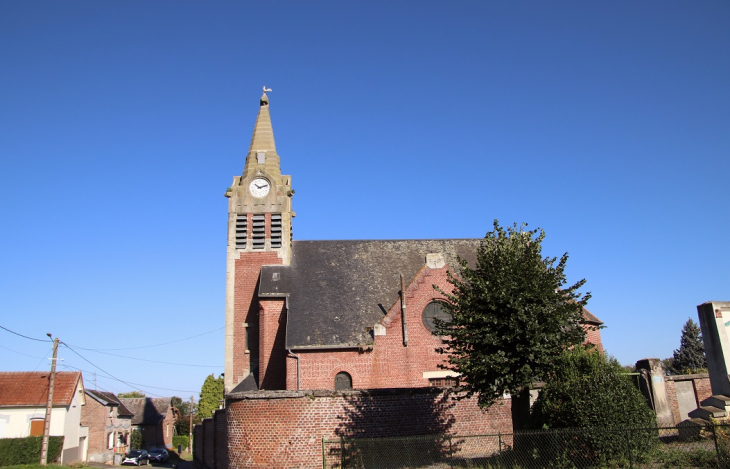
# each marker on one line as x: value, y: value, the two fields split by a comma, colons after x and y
x: 25, y: 336
x: 106, y: 372
x: 24, y: 354
x: 151, y: 346
x: 130, y: 382
x: 155, y: 361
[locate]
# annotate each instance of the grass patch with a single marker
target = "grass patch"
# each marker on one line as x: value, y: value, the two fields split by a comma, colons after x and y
x: 35, y: 466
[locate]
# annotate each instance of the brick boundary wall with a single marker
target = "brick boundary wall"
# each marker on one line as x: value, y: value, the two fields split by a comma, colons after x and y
x: 700, y: 384
x: 220, y: 429
x: 198, y: 447
x: 284, y: 429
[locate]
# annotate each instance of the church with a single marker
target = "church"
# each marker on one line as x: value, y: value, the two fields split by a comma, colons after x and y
x: 334, y: 315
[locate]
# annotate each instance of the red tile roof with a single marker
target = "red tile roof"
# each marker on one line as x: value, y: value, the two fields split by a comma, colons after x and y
x: 30, y: 388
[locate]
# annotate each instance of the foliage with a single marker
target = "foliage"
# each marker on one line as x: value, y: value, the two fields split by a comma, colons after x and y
x: 15, y: 451
x: 130, y: 395
x: 512, y: 314
x: 136, y: 441
x: 182, y: 406
x: 183, y: 440
x: 588, y: 389
x: 210, y: 396
x: 690, y: 356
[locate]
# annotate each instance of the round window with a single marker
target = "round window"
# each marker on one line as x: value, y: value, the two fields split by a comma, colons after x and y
x: 434, y: 310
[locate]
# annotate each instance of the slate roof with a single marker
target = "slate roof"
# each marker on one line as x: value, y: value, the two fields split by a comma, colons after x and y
x: 30, y: 388
x: 109, y: 399
x: 338, y: 290
x: 147, y: 410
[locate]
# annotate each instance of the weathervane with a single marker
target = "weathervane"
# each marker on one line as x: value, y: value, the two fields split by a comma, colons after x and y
x: 266, y: 89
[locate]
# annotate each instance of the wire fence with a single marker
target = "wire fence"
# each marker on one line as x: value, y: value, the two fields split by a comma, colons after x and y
x: 694, y: 446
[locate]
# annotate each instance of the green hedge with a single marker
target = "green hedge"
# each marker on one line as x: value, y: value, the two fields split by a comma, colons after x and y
x: 14, y: 451
x: 183, y: 440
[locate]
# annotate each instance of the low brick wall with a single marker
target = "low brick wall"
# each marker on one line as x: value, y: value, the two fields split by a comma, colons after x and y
x: 700, y: 386
x: 284, y: 429
x: 198, y: 446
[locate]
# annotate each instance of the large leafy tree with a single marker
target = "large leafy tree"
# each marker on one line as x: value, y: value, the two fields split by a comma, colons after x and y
x: 210, y: 396
x: 512, y: 314
x: 690, y: 356
x: 130, y: 394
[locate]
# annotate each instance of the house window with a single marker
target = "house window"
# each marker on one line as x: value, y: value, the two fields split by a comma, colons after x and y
x: 241, y: 227
x: 36, y: 427
x: 434, y: 311
x: 343, y: 381
x: 110, y: 440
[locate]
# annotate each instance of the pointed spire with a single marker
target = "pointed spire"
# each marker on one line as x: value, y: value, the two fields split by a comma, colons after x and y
x: 262, y: 141
x: 263, y: 132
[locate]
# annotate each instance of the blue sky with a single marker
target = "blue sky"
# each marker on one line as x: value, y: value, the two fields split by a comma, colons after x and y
x: 122, y: 123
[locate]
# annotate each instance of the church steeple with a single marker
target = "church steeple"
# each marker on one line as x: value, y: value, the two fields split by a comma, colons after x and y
x: 263, y: 146
x: 260, y: 199
x: 259, y: 233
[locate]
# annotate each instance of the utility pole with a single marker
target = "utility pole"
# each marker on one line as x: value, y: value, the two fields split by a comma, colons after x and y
x: 49, y: 405
x: 190, y: 440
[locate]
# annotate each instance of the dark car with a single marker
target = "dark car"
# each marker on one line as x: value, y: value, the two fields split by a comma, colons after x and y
x: 137, y: 457
x: 159, y: 455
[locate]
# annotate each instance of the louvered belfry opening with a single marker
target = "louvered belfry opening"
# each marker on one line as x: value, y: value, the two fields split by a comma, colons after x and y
x: 276, y: 230
x: 259, y: 231
x: 241, y: 231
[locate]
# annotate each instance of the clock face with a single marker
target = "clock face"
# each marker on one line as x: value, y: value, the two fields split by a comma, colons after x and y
x: 259, y: 187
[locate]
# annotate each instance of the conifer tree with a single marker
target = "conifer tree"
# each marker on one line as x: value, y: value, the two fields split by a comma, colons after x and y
x: 690, y: 356
x: 210, y: 396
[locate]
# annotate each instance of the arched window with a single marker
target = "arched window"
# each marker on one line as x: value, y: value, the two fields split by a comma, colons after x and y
x: 343, y: 381
x: 432, y: 311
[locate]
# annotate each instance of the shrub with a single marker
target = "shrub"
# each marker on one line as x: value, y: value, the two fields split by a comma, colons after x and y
x: 15, y: 451
x: 182, y: 440
x: 587, y: 389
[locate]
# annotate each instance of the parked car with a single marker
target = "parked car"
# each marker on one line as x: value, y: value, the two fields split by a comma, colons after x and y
x: 159, y: 455
x: 137, y: 457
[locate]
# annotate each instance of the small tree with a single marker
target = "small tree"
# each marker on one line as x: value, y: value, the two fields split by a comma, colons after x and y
x: 136, y: 440
x: 511, y: 314
x: 130, y: 395
x: 588, y: 389
x: 690, y: 356
x: 210, y: 396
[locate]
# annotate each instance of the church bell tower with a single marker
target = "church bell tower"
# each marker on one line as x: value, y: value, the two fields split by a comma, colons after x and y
x: 259, y: 233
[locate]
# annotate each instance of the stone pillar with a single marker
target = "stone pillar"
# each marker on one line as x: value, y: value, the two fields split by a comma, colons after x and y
x: 658, y: 390
x: 714, y: 321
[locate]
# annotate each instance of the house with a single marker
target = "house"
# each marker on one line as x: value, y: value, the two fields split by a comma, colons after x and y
x: 328, y: 314
x: 154, y: 418
x: 23, y: 398
x: 109, y: 425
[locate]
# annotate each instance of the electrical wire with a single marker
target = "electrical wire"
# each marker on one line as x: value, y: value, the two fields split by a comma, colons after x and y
x: 150, y: 346
x: 24, y: 354
x: 25, y: 336
x: 154, y: 361
x: 130, y: 382
x: 104, y: 371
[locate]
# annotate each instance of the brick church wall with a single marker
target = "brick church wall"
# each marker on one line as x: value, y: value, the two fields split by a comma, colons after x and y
x: 246, y: 308
x: 282, y: 429
x: 389, y: 364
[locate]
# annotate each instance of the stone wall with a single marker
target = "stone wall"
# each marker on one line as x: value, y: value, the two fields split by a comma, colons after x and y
x: 283, y: 429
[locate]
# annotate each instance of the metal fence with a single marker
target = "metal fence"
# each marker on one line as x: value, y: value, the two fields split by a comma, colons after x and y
x: 691, y: 446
